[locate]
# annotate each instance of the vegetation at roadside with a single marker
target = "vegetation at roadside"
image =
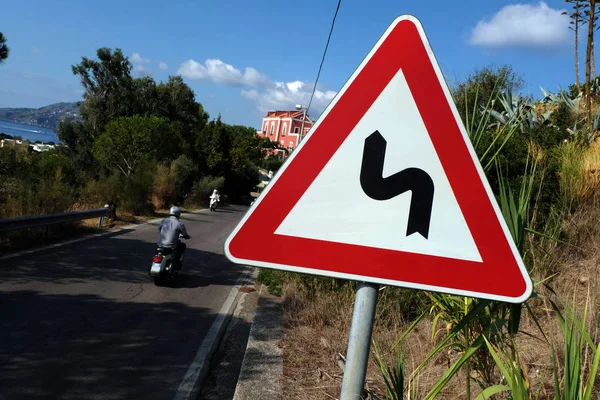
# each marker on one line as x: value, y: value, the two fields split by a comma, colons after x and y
x: 143, y: 144
x: 542, y: 159
x: 542, y: 162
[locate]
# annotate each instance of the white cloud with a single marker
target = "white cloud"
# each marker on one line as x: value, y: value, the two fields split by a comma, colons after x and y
x: 523, y: 25
x: 143, y: 71
x: 137, y: 58
x: 262, y: 90
x: 284, y: 96
x: 219, y: 72
x: 162, y: 65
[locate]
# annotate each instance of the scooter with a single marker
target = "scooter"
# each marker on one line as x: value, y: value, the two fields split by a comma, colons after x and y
x: 163, y: 268
x: 213, y: 204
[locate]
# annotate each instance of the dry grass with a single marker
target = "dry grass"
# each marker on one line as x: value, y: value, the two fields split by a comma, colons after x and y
x: 315, y: 341
x: 316, y: 327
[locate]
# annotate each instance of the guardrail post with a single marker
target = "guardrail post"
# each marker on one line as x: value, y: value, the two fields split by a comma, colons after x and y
x: 107, y: 206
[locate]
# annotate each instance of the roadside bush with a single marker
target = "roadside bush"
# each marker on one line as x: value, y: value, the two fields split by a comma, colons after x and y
x: 98, y: 192
x: 240, y: 182
x: 164, y: 187
x: 10, y: 189
x: 183, y: 170
x: 202, y: 190
x: 53, y: 195
x: 137, y: 191
x: 571, y: 174
x: 273, y: 279
x: 272, y: 163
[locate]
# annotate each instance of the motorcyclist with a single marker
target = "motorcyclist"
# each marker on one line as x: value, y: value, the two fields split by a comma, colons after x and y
x: 168, y: 234
x: 215, y: 197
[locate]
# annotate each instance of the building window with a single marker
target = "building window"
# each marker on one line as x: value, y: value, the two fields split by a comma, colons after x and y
x: 284, y: 130
x: 266, y: 128
x: 272, y: 127
x: 296, y: 130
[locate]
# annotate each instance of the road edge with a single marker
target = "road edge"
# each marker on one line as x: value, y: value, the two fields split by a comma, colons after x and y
x: 261, y: 373
x: 194, y: 378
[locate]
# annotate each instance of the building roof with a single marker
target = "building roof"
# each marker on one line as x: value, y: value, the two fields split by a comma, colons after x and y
x: 286, y: 114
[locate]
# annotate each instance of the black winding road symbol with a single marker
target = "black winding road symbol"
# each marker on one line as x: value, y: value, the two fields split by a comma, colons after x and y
x: 414, y: 179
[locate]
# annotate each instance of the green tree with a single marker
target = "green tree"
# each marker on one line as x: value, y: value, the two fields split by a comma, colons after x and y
x: 109, y: 89
x: 183, y: 171
x: 244, y: 155
x: 129, y: 141
x: 178, y: 105
x: 146, y: 96
x: 79, y: 148
x: 484, y: 85
x: 213, y: 144
x: 4, y: 50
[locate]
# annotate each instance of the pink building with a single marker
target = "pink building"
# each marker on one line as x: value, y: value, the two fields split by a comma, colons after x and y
x: 284, y: 127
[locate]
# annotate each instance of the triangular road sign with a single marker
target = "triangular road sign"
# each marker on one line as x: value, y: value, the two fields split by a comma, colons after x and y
x: 386, y: 188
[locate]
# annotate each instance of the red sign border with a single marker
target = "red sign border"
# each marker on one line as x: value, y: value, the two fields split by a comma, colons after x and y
x: 501, y: 276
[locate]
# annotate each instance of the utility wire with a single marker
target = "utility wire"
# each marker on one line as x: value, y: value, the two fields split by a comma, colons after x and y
x: 324, y: 53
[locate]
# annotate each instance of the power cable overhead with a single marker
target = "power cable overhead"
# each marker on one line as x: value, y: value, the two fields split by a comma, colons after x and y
x: 324, y: 53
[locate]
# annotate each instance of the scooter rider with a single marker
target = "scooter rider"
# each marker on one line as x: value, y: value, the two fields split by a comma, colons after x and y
x: 168, y: 234
x: 214, y: 198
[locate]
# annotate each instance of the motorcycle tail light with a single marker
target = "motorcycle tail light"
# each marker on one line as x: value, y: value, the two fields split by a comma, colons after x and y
x: 157, y: 259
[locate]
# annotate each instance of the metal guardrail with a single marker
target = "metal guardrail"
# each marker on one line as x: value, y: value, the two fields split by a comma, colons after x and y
x: 36, y: 221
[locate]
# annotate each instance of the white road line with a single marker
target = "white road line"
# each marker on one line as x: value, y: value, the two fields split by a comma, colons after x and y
x: 197, y: 371
x: 95, y: 235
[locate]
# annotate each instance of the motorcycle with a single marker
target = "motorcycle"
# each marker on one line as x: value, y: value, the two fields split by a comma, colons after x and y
x: 163, y: 268
x: 213, y: 204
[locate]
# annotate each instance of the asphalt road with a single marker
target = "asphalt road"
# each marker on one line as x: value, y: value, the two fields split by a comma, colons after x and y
x: 84, y: 321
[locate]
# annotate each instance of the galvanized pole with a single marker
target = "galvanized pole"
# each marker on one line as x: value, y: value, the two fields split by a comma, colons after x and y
x: 359, y: 345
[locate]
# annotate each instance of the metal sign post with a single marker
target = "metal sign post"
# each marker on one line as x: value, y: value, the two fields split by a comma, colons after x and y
x: 359, y: 345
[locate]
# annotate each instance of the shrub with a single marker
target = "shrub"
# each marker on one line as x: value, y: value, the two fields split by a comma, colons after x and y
x: 137, y: 191
x: 272, y: 163
x: 98, y: 192
x: 202, y: 190
x: 273, y: 279
x: 164, y: 187
x: 183, y: 170
x: 571, y: 174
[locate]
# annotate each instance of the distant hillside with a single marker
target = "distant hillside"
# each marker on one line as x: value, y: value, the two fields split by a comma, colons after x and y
x: 45, y: 117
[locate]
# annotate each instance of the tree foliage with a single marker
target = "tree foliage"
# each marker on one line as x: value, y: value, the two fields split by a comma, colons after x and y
x: 129, y: 141
x: 483, y: 86
x: 129, y: 124
x: 4, y: 50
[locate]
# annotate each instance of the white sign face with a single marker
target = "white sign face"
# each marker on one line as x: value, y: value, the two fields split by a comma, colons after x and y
x: 335, y: 207
x: 387, y: 188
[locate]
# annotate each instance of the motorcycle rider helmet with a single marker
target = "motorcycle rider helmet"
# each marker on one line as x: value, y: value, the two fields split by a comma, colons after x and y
x: 175, y: 211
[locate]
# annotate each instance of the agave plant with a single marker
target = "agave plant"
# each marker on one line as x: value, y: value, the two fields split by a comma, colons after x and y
x: 581, y: 134
x: 562, y: 98
x: 517, y: 110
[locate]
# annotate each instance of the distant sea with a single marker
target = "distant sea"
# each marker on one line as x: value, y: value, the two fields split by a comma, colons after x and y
x: 28, y: 132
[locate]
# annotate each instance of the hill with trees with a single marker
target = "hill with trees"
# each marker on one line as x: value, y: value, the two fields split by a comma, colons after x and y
x: 46, y: 117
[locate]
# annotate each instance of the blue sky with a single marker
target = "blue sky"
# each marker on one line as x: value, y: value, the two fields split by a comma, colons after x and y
x: 244, y: 57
